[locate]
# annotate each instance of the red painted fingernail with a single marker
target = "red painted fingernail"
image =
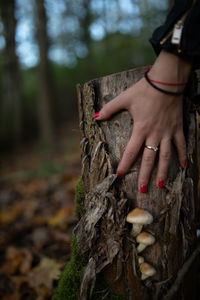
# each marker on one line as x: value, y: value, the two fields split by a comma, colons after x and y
x: 96, y: 115
x: 119, y: 175
x: 185, y: 164
x: 161, y: 184
x: 143, y: 189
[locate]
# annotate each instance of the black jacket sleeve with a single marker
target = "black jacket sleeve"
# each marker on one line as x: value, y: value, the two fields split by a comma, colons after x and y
x: 190, y: 38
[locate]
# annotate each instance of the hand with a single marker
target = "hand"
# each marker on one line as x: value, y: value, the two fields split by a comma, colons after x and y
x: 158, y: 119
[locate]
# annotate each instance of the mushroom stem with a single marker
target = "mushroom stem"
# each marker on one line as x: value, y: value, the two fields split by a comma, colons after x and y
x: 140, y: 259
x: 143, y: 277
x: 141, y: 247
x: 136, y: 229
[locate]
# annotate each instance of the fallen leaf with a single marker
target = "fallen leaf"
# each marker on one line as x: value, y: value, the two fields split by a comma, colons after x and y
x: 40, y: 237
x: 9, y: 215
x: 27, y: 261
x: 14, y: 259
x: 60, y: 218
x: 45, y: 273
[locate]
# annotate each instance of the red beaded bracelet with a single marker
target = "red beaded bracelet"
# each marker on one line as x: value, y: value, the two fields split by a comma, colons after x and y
x: 166, y: 83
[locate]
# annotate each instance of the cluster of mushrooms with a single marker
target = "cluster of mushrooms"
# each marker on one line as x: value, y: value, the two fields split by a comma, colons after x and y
x: 138, y: 218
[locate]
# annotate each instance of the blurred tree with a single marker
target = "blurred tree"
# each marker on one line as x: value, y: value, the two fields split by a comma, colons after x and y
x: 11, y: 96
x: 45, y: 82
x: 170, y: 3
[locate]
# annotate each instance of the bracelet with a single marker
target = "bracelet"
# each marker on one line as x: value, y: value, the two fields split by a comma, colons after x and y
x: 166, y: 83
x: 162, y: 90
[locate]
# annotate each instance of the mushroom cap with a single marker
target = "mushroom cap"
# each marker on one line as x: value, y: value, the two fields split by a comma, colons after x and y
x: 139, y: 216
x: 145, y: 238
x: 147, y: 269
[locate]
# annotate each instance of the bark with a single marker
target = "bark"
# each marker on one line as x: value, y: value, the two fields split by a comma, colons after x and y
x: 11, y: 96
x: 103, y: 233
x: 45, y: 81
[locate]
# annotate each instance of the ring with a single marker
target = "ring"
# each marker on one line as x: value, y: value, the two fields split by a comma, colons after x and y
x: 154, y: 148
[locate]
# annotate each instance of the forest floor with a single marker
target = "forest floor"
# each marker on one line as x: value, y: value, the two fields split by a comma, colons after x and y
x: 37, y: 216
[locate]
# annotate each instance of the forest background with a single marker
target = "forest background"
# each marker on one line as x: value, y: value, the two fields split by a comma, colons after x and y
x: 46, y: 48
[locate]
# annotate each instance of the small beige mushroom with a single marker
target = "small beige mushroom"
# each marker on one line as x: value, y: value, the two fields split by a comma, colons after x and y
x: 144, y: 239
x: 138, y: 217
x: 147, y: 270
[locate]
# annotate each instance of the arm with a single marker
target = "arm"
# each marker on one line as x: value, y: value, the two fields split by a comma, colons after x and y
x: 157, y: 119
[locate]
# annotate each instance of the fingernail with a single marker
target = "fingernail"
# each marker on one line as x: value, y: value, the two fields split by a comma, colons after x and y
x: 96, y: 115
x: 185, y: 164
x: 161, y: 184
x: 119, y: 175
x: 143, y: 189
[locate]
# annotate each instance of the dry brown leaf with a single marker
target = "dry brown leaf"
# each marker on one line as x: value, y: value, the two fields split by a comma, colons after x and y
x: 59, y: 236
x: 40, y: 237
x: 27, y: 261
x: 45, y: 273
x: 60, y: 218
x: 14, y: 259
x: 9, y: 215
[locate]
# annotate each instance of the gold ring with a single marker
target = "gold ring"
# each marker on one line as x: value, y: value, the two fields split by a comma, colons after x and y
x: 154, y: 148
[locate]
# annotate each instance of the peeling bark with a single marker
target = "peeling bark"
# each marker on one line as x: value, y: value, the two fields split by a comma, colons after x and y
x: 102, y: 231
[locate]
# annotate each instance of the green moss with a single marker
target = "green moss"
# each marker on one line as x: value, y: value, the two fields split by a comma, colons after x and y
x: 79, y: 197
x: 70, y: 279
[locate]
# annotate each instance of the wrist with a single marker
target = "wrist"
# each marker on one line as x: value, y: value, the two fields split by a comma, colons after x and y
x: 169, y: 67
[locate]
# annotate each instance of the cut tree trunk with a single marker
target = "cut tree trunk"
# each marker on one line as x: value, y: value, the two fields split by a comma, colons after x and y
x: 103, y: 232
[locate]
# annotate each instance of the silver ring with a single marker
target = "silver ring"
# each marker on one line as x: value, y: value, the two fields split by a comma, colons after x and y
x: 154, y: 148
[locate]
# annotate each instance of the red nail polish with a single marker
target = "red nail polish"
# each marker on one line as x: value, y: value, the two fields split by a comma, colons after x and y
x: 143, y: 189
x: 96, y: 115
x: 119, y: 175
x: 185, y: 164
x: 161, y: 184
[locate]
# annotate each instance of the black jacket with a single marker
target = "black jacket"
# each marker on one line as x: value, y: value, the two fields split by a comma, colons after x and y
x: 190, y: 38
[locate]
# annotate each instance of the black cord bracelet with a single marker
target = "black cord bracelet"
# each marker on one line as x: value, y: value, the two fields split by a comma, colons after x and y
x: 162, y: 90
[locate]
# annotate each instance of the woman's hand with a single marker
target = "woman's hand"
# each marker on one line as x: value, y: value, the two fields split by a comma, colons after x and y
x: 158, y: 120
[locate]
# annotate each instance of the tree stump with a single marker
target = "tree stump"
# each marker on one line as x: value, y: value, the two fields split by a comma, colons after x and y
x: 103, y: 232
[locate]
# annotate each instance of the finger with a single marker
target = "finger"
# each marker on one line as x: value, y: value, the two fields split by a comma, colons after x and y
x: 164, y: 161
x: 131, y: 151
x: 111, y: 108
x: 147, y: 163
x: 179, y: 141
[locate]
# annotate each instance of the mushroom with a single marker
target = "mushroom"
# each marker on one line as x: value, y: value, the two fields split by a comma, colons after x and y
x: 140, y: 259
x: 144, y: 239
x: 138, y: 217
x: 147, y: 270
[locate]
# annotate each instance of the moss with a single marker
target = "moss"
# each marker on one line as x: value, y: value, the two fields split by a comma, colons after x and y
x: 70, y: 279
x: 79, y: 197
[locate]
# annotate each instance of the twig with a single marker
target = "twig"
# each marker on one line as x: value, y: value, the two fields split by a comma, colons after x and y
x: 181, y: 273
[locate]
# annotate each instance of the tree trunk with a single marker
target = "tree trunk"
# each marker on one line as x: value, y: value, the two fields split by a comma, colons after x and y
x: 103, y: 233
x: 11, y: 96
x: 45, y: 81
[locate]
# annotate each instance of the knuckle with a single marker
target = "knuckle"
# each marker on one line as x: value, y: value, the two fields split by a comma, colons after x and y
x: 141, y: 126
x: 148, y: 159
x: 165, y: 156
x: 130, y: 154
